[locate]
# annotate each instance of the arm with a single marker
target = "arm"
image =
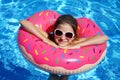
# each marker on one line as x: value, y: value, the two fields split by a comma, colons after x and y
x: 37, y: 31
x: 99, y: 39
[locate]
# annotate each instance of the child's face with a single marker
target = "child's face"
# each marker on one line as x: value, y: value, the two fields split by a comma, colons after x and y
x: 63, y: 34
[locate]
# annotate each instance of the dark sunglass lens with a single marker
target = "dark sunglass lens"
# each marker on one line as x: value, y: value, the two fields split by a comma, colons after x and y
x: 58, y: 33
x: 69, y: 35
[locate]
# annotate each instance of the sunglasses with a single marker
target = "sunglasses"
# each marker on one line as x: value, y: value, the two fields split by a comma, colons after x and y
x: 59, y: 33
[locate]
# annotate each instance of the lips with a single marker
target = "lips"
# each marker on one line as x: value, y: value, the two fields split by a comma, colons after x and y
x: 62, y: 41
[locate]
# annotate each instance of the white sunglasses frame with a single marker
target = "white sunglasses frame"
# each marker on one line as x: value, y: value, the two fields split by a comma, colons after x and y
x: 63, y: 33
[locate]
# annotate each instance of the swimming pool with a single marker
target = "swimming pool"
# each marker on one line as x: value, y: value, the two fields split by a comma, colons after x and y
x: 106, y: 13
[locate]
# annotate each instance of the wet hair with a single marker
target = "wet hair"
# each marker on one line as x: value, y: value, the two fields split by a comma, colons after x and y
x: 67, y: 19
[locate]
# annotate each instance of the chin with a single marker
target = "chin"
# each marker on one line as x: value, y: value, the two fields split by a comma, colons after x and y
x: 62, y: 45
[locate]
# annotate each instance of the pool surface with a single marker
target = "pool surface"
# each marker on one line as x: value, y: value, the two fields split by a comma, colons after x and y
x: 106, y: 13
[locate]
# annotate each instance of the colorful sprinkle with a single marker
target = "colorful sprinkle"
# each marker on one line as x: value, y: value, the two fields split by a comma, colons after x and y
x: 36, y: 52
x: 70, y: 53
x: 37, y: 40
x: 47, y: 14
x: 46, y: 58
x: 65, y: 50
x: 25, y: 40
x: 76, y: 50
x: 40, y: 26
x: 83, y: 30
x: 94, y: 50
x: 50, y: 21
x: 40, y: 13
x: 100, y: 51
x: 68, y: 62
x: 84, y: 51
x: 78, y: 27
x: 80, y: 22
x: 95, y: 46
x: 44, y: 51
x: 78, y: 61
x: 88, y: 25
x: 63, y: 56
x: 34, y: 17
x: 94, y: 26
x: 82, y: 57
x: 57, y: 61
x: 54, y: 16
x: 53, y: 48
x: 88, y: 49
x: 98, y: 33
x: 28, y: 46
x: 93, y: 57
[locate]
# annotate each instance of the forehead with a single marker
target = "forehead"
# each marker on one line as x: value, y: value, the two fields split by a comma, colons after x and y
x: 65, y: 27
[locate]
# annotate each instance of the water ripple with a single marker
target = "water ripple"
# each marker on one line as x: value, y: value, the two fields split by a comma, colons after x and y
x: 105, y: 13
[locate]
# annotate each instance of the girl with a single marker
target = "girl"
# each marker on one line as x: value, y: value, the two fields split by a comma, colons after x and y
x: 64, y: 36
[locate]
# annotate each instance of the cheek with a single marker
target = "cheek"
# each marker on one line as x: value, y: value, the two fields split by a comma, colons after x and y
x: 56, y: 39
x: 70, y: 40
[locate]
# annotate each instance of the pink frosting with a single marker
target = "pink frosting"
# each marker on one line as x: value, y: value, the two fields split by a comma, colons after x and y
x: 43, y: 53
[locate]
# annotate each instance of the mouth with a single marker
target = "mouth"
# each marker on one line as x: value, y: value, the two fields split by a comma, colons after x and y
x: 63, y: 42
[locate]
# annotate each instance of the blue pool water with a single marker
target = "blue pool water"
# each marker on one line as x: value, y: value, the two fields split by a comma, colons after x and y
x: 106, y: 13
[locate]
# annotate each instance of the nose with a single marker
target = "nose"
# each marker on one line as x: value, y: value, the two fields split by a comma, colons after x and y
x: 63, y: 37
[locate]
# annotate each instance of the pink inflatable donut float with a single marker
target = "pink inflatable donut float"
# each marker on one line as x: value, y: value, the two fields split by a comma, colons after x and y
x: 56, y: 60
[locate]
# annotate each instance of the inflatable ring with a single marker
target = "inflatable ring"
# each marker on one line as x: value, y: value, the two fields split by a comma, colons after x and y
x: 55, y: 60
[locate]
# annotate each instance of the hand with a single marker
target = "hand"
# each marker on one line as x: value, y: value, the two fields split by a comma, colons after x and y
x: 51, y: 43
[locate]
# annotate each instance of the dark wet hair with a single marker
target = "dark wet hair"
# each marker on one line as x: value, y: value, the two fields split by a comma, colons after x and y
x: 67, y: 19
